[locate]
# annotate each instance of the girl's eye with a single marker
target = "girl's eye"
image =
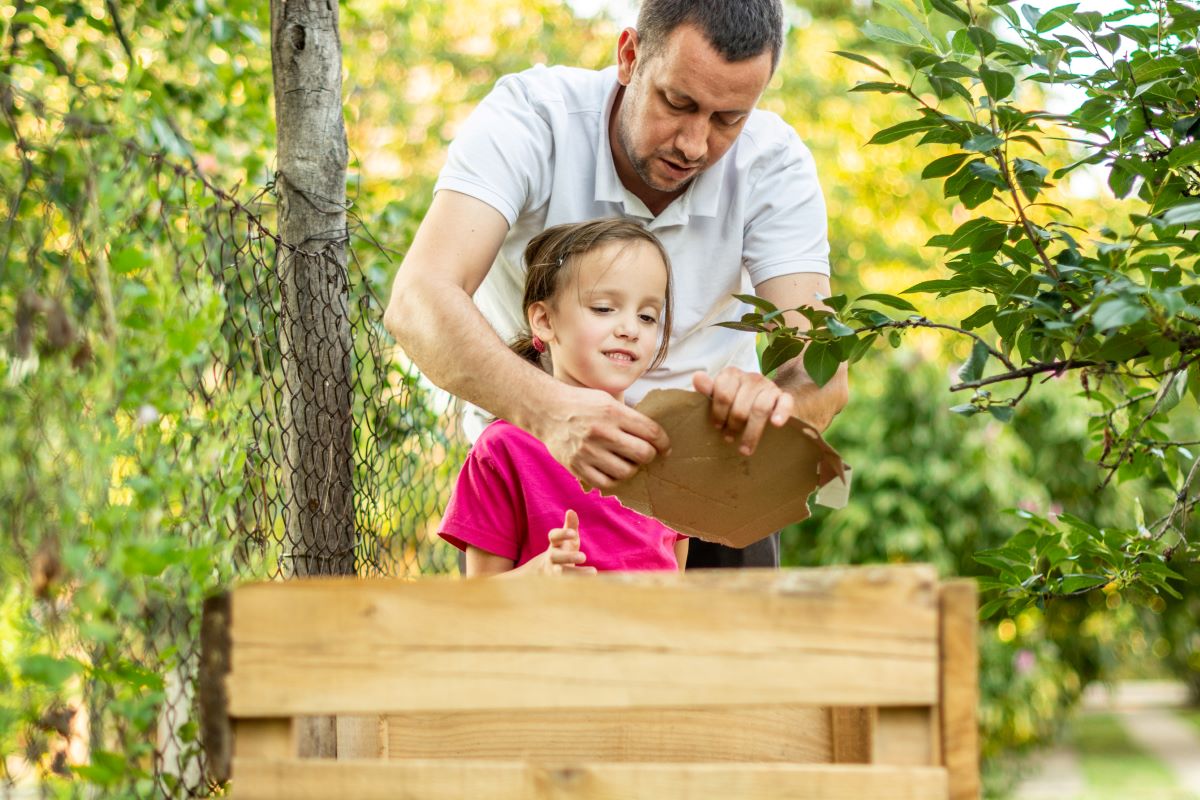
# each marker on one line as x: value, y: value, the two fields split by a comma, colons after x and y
x: 601, y: 309
x: 649, y: 319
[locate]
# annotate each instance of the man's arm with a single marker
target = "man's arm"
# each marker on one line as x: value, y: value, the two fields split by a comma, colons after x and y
x: 816, y: 405
x: 432, y: 316
x: 744, y: 403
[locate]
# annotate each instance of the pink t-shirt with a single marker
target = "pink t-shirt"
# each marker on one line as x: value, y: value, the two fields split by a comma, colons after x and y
x: 511, y: 493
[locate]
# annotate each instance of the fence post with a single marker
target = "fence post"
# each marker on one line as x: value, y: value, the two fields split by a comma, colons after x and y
x: 306, y: 57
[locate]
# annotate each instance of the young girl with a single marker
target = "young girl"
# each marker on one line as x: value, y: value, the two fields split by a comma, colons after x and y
x: 598, y: 304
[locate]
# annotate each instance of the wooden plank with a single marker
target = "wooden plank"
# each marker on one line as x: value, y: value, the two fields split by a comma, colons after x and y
x: 269, y: 738
x: 852, y: 733
x: 960, y: 688
x: 215, y: 733
x: 794, y: 734
x: 865, y: 636
x: 905, y: 737
x: 359, y: 737
x: 491, y: 780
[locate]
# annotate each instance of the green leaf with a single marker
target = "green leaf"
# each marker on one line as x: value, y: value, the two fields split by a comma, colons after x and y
x: 1055, y: 17
x: 984, y: 40
x: 1173, y: 391
x: 946, y: 165
x: 998, y: 83
x: 992, y: 606
x: 781, y: 351
x: 839, y: 328
x: 766, y: 306
x: 903, y: 130
x: 883, y: 33
x: 979, y: 318
x: 1002, y: 413
x: 972, y: 370
x: 863, y: 60
x: 888, y: 300
x: 1184, y: 155
x: 953, y: 69
x: 128, y: 260
x: 47, y: 670
x: 820, y: 362
x: 1183, y: 214
x: 987, y: 173
x: 1117, y: 313
x: 983, y: 143
x: 976, y: 193
x: 966, y: 409
x: 881, y: 87
x: 1078, y: 583
x: 953, y: 10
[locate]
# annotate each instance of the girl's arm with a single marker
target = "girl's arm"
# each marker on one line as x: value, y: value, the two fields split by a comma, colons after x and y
x: 681, y: 548
x: 481, y: 563
x: 563, y: 555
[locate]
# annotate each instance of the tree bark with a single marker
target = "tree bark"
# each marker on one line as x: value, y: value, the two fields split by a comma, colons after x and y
x: 306, y: 56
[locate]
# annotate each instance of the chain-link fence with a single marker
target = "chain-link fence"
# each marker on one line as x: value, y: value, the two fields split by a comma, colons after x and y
x: 230, y: 427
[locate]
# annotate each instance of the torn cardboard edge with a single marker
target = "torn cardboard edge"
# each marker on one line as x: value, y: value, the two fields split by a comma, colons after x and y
x: 707, y: 489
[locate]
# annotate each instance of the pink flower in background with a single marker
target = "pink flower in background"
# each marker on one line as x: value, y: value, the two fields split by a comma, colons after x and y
x: 1024, y: 661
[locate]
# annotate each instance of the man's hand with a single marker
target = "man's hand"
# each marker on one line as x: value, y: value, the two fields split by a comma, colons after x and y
x: 599, y: 439
x: 564, y: 553
x: 743, y: 403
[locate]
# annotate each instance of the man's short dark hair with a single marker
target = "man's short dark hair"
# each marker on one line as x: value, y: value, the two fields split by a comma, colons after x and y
x: 737, y: 29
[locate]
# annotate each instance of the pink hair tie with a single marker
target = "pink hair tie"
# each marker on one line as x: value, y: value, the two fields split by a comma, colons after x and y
x: 539, y: 345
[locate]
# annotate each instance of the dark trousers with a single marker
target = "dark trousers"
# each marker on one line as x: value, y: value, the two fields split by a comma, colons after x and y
x: 707, y: 555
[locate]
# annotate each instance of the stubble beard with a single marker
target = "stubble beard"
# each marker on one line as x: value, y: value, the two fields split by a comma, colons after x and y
x: 641, y: 164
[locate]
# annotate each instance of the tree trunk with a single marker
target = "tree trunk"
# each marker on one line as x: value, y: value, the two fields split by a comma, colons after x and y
x: 306, y: 56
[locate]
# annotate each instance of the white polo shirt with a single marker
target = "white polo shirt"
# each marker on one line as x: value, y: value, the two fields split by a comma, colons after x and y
x: 537, y: 150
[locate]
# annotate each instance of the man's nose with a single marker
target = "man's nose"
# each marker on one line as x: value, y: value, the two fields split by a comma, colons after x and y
x: 692, y: 139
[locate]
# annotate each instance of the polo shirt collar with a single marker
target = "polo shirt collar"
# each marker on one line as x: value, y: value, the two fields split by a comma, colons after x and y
x: 701, y: 199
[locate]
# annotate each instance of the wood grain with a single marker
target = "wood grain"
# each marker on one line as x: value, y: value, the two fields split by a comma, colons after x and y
x: 905, y: 737
x: 795, y: 734
x: 852, y: 734
x: 258, y: 779
x: 865, y: 637
x: 264, y: 738
x: 959, y: 702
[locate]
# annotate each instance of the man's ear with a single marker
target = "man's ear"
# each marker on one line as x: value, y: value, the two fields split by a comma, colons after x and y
x: 627, y: 55
x: 540, y: 324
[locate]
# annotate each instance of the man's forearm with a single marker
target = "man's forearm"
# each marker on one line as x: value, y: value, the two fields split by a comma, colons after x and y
x: 816, y: 405
x: 442, y: 331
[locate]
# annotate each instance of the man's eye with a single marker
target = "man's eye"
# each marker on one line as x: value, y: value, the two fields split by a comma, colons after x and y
x: 729, y: 122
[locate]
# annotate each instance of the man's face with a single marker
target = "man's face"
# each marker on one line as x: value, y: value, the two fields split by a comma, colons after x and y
x: 682, y: 108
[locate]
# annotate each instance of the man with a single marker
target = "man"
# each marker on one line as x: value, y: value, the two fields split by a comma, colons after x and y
x: 670, y: 136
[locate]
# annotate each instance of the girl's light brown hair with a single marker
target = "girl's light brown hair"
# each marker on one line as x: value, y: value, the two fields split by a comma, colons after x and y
x: 549, y: 255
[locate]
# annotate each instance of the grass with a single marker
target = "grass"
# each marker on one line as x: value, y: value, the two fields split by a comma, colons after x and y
x: 1117, y: 769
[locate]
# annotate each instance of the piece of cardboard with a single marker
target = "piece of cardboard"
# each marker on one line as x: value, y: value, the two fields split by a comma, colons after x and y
x: 706, y: 488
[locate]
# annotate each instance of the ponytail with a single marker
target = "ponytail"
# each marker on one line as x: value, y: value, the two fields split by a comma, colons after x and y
x: 523, y: 346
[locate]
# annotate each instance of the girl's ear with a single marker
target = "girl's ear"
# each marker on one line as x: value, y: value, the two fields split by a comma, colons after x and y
x: 540, y: 324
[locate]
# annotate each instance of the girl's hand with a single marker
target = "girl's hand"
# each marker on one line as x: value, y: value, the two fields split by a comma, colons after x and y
x: 564, y: 554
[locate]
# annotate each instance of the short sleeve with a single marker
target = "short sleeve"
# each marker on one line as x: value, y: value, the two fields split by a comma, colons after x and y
x: 485, y: 509
x: 786, y: 225
x: 501, y: 153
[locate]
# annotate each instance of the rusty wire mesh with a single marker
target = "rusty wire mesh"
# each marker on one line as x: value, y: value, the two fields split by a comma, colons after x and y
x: 404, y: 446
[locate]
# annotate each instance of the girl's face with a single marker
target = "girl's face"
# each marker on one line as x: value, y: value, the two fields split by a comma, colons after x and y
x: 603, y: 324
